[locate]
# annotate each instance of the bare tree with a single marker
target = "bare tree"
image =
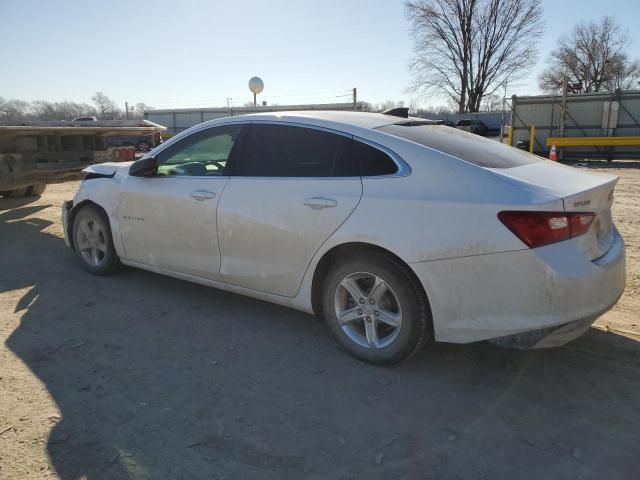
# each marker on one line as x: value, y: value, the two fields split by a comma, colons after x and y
x: 389, y: 104
x: 594, y: 56
x: 378, y: 107
x: 69, y: 110
x: 625, y: 74
x: 363, y: 106
x: 492, y: 103
x: 15, y: 110
x: 3, y: 113
x: 414, y: 106
x: 42, y: 110
x: 106, y: 107
x: 138, y: 112
x: 19, y: 110
x: 466, y: 49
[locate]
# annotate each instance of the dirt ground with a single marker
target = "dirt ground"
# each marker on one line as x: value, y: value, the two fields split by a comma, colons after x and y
x: 145, y: 377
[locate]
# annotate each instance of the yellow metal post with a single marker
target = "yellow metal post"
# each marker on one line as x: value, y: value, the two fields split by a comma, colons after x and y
x: 510, y: 136
x: 532, y: 138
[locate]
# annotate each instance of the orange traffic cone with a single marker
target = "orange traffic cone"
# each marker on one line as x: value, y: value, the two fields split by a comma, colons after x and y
x: 553, y: 156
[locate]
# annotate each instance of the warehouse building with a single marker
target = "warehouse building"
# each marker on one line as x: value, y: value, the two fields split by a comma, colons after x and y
x: 177, y: 120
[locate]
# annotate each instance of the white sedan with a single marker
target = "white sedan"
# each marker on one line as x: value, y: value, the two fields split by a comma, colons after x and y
x: 394, y: 230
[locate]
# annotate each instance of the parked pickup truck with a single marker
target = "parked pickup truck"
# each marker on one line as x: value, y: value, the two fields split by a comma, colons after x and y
x: 33, y: 154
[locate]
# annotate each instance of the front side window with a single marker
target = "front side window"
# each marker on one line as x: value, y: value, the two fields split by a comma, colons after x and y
x: 291, y: 151
x: 201, y: 154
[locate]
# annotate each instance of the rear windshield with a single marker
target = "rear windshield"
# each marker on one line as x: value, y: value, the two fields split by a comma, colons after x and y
x: 465, y: 146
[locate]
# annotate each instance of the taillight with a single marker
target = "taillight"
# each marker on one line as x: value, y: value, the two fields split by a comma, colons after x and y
x: 581, y: 222
x: 542, y: 228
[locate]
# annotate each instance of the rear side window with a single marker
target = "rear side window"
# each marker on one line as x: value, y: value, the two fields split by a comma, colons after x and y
x: 289, y: 151
x: 470, y: 148
x: 373, y: 162
x: 357, y: 159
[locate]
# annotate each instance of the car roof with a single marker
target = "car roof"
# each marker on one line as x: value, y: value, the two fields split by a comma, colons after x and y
x: 354, y: 123
x: 312, y: 117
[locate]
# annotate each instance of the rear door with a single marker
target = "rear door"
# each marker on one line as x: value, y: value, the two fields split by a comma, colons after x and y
x: 290, y: 188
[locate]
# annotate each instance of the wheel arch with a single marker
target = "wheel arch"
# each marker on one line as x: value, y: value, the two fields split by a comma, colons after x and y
x: 344, y: 250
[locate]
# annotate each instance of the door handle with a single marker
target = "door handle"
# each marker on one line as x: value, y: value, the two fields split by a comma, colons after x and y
x: 202, y: 195
x: 318, y: 203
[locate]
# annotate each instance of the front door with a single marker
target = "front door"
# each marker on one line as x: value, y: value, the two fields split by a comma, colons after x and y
x: 169, y: 220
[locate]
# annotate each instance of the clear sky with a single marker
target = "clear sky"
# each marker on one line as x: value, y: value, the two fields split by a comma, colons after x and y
x: 176, y: 53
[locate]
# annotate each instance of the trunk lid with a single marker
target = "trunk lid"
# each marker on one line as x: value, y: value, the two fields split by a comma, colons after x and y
x: 579, y: 191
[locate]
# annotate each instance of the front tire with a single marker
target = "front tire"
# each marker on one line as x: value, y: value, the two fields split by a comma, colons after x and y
x: 375, y: 308
x: 93, y: 242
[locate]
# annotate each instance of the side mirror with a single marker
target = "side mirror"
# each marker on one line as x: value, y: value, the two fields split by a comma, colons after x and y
x: 145, y: 167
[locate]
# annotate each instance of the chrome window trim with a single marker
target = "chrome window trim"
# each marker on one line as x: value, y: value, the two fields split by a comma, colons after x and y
x: 404, y: 169
x: 246, y: 177
x: 173, y: 177
x: 197, y: 129
x: 302, y: 125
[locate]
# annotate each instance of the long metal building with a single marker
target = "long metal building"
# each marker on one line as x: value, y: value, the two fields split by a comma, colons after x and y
x: 177, y: 120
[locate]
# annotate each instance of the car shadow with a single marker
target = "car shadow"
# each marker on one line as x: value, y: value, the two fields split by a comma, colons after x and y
x: 7, y: 203
x: 159, y: 378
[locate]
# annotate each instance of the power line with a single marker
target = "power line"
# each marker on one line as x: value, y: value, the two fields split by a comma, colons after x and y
x: 241, y: 100
x: 310, y: 94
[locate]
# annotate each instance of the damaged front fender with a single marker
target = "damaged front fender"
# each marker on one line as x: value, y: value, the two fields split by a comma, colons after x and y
x: 104, y: 170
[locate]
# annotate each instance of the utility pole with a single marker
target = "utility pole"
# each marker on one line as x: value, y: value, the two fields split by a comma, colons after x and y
x: 126, y: 109
x: 355, y: 97
x: 563, y: 106
x: 504, y: 101
x: 563, y: 111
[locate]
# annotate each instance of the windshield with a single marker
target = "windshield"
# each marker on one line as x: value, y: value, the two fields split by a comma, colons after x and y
x: 465, y: 146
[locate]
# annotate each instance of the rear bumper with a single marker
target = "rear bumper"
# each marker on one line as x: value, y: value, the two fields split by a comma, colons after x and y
x: 492, y: 296
x: 547, y: 337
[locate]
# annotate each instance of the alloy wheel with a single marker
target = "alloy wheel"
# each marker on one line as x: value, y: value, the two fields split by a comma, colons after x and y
x: 368, y: 310
x: 92, y: 242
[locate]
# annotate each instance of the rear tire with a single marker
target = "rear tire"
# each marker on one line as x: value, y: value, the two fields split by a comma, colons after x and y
x: 389, y: 321
x: 93, y: 242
